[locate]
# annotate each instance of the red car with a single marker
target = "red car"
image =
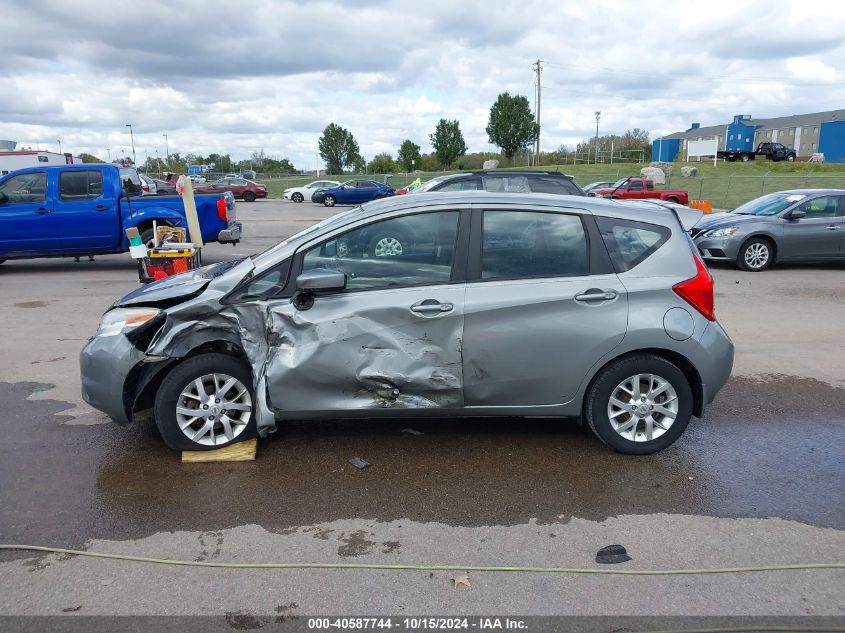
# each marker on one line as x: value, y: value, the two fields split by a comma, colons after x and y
x: 639, y: 189
x: 241, y: 188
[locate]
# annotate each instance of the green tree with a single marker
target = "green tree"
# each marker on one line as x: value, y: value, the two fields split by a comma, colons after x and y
x: 409, y: 156
x: 512, y: 126
x: 382, y: 164
x: 90, y: 158
x: 339, y: 149
x: 448, y: 142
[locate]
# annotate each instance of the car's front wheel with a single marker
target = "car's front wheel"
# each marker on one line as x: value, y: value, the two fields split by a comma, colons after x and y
x: 249, y: 196
x: 297, y: 197
x: 329, y: 200
x: 639, y: 405
x: 755, y: 255
x: 206, y: 402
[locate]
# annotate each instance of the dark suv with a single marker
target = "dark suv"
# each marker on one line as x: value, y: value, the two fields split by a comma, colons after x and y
x: 506, y: 182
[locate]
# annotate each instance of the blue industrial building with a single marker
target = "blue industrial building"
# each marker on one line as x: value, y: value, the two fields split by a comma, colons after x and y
x: 808, y: 134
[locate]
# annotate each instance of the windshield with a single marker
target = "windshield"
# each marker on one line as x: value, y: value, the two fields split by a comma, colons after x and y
x: 427, y: 186
x: 618, y: 183
x: 298, y: 236
x: 771, y: 204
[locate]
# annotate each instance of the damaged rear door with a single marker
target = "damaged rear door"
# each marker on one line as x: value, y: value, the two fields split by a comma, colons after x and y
x: 392, y: 339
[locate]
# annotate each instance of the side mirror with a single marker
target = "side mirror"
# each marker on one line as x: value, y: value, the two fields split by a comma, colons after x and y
x: 797, y: 214
x: 321, y: 281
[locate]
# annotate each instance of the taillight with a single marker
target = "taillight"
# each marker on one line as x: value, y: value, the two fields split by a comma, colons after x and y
x: 698, y: 291
x: 145, y: 188
x: 222, y: 211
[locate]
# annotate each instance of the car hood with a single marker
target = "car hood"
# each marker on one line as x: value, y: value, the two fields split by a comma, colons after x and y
x: 719, y: 220
x: 177, y: 288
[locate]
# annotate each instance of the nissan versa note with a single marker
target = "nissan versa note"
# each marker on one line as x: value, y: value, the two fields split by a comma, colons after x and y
x: 434, y: 305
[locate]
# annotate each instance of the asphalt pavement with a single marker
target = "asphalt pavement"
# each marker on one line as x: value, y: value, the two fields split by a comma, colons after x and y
x: 759, y: 480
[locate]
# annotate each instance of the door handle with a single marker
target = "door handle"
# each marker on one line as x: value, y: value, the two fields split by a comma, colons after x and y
x: 832, y: 227
x: 431, y: 306
x: 42, y: 210
x: 101, y: 207
x: 594, y: 294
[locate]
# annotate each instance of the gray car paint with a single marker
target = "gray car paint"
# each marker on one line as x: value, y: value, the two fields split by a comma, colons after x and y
x: 367, y: 354
x: 809, y: 239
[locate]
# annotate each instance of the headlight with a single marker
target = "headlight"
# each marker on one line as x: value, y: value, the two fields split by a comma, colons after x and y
x: 123, y: 320
x: 730, y: 230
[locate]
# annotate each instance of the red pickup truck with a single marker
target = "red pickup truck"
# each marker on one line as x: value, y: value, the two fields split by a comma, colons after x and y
x: 641, y: 188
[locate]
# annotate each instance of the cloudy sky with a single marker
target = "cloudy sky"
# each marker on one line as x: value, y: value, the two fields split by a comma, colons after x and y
x: 239, y: 76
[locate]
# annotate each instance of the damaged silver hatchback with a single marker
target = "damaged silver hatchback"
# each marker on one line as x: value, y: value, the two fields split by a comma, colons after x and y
x: 434, y: 305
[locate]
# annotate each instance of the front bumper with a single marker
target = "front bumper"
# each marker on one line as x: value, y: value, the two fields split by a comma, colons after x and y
x: 104, y: 364
x: 232, y: 234
x: 718, y: 248
x: 317, y: 196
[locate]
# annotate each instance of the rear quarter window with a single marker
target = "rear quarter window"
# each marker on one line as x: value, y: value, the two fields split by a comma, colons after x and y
x: 630, y: 243
x: 560, y: 186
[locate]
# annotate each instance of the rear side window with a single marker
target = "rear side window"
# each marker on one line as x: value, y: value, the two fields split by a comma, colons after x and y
x: 509, y: 184
x: 130, y: 180
x: 630, y: 243
x: 468, y: 184
x: 560, y: 186
x: 80, y: 185
x: 524, y: 244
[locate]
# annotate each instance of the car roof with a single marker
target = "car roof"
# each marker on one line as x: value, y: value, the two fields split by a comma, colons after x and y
x: 644, y: 211
x: 809, y: 192
x: 507, y: 172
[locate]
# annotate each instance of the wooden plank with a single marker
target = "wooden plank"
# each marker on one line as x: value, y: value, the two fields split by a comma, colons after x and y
x: 239, y: 452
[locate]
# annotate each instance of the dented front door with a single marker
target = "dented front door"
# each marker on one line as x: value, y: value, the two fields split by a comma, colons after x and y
x: 391, y: 341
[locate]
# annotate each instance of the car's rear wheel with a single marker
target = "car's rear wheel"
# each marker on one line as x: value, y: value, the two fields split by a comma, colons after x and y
x: 755, y: 255
x: 329, y: 200
x: 790, y: 158
x: 297, y: 197
x: 206, y: 402
x: 249, y: 196
x: 675, y: 200
x: 639, y: 405
x: 744, y: 158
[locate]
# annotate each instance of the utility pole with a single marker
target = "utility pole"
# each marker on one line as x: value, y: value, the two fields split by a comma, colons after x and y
x: 132, y: 137
x: 598, y: 116
x: 538, y: 67
x: 166, y: 149
x: 108, y: 149
x: 59, y: 141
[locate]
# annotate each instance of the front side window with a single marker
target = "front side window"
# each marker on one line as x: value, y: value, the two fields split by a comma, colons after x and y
x: 30, y: 187
x: 404, y: 251
x: 823, y: 207
x: 525, y: 244
x: 80, y: 185
x: 549, y: 184
x: 630, y: 243
x: 636, y: 185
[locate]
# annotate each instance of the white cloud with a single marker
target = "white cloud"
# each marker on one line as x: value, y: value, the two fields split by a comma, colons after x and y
x: 272, y: 74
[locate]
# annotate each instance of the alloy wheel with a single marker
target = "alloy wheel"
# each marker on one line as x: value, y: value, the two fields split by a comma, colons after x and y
x: 388, y: 247
x: 756, y: 255
x: 642, y: 407
x: 213, y: 409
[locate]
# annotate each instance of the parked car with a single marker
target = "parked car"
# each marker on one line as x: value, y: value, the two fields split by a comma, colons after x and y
x: 795, y: 225
x: 148, y: 185
x: 246, y: 190
x: 75, y: 210
x: 642, y: 189
x: 249, y: 174
x: 196, y: 178
x: 504, y: 181
x: 591, y: 188
x: 298, y: 194
x: 352, y: 192
x: 164, y: 188
x: 501, y: 305
x: 772, y: 151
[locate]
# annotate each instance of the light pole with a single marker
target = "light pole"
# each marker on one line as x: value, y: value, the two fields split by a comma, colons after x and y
x: 166, y: 149
x: 132, y: 138
x: 598, y: 116
x: 59, y: 141
x: 108, y: 149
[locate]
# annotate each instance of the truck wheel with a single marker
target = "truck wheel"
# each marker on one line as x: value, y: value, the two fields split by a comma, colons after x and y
x: 755, y: 255
x: 147, y: 237
x: 249, y: 196
x: 790, y: 158
x: 731, y: 159
x: 639, y: 405
x: 206, y: 402
x: 672, y: 199
x: 744, y: 158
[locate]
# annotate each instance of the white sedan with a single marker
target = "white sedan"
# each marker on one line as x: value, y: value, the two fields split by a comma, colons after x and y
x: 298, y: 194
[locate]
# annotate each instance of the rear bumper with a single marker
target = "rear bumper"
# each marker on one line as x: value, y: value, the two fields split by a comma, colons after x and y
x: 232, y: 234
x: 714, y: 361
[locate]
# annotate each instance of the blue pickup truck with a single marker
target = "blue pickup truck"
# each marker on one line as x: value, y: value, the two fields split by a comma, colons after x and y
x: 75, y: 210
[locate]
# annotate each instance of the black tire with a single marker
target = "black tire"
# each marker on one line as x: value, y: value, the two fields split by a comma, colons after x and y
x: 745, y: 260
x: 731, y: 159
x: 791, y: 158
x: 147, y: 237
x: 179, y: 379
x: 386, y: 242
x: 249, y: 196
x: 744, y: 158
x: 675, y: 200
x: 329, y: 200
x: 297, y: 197
x: 603, y: 386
